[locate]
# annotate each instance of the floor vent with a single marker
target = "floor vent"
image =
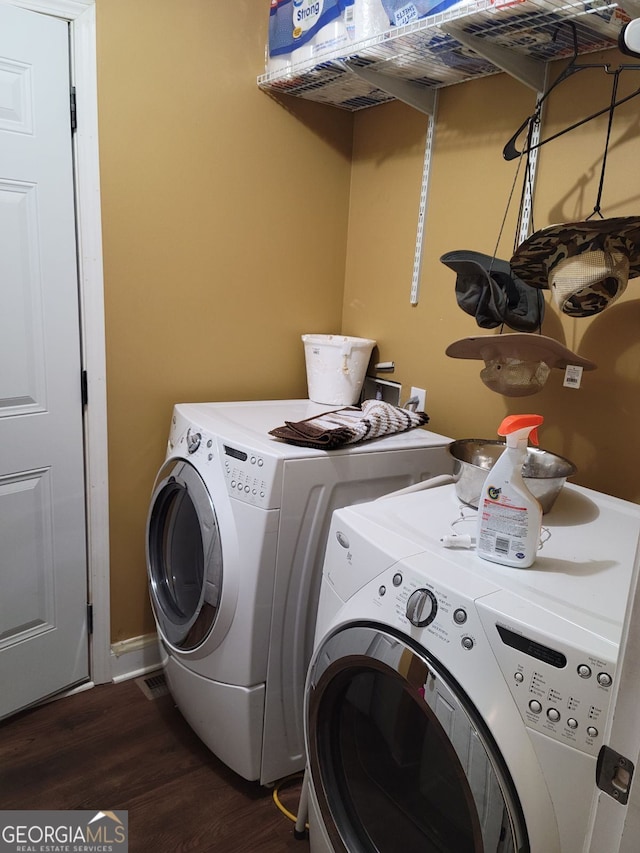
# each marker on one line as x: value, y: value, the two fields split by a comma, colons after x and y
x: 153, y: 685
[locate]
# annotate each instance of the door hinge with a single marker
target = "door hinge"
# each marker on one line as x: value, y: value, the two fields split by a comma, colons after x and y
x: 614, y: 773
x: 72, y: 106
x: 89, y: 618
x: 84, y: 388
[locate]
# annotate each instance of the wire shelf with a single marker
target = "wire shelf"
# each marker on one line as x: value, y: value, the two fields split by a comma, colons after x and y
x: 425, y: 54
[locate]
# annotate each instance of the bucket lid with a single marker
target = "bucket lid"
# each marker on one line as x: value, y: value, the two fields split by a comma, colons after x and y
x: 338, y: 341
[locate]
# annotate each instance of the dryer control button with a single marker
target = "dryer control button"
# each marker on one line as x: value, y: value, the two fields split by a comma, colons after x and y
x: 592, y: 731
x: 467, y: 643
x: 422, y: 607
x: 573, y: 724
x: 519, y: 677
x: 535, y: 706
x: 554, y: 715
x: 382, y: 590
x: 459, y: 616
x: 397, y: 579
x: 584, y: 671
x: 604, y: 679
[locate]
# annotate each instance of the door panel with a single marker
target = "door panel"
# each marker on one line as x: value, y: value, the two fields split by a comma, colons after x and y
x: 43, y: 573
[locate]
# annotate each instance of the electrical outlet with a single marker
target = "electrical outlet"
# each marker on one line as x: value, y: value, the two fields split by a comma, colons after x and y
x: 421, y: 394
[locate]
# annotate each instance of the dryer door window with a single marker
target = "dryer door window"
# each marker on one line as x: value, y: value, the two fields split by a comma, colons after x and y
x: 399, y: 759
x: 184, y: 556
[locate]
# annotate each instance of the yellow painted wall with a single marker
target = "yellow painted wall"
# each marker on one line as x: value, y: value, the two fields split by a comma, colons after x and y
x: 224, y: 226
x: 232, y: 223
x: 470, y: 186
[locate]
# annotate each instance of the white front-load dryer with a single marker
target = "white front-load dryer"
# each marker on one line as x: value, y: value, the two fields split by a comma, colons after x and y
x: 236, y: 531
x: 453, y: 704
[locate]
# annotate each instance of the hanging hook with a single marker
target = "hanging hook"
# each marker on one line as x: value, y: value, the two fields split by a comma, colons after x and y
x: 510, y: 151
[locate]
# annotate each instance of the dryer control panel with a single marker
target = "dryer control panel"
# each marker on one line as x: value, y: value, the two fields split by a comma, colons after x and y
x: 247, y: 474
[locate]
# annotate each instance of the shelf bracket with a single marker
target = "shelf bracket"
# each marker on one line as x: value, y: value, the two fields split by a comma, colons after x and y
x: 421, y: 98
x: 529, y: 71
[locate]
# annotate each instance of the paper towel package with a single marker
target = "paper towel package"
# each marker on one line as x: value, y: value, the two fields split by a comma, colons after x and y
x: 303, y: 31
x: 308, y: 31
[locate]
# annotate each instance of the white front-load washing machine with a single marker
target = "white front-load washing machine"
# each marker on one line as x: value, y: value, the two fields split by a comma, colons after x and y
x: 456, y: 705
x: 236, y: 531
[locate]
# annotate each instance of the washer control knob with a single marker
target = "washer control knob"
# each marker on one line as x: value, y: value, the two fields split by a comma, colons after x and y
x: 584, y: 671
x: 460, y: 616
x: 604, y: 679
x: 554, y: 715
x: 592, y: 731
x: 422, y: 607
x: 535, y: 706
x: 193, y: 441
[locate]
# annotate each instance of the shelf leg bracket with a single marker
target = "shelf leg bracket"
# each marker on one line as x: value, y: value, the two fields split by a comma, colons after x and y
x: 421, y: 98
x: 527, y: 70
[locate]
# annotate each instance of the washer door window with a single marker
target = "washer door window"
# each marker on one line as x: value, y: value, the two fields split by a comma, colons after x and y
x: 184, y: 556
x: 398, y: 757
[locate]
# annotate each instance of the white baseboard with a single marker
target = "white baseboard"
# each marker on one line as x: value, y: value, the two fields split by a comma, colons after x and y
x: 134, y: 657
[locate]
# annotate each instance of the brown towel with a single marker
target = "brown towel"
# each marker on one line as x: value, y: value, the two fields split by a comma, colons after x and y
x: 349, y: 425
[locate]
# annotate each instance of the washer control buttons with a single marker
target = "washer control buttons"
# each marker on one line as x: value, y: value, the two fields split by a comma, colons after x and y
x: 519, y: 677
x: 573, y: 724
x: 460, y: 616
x: 535, y: 706
x: 397, y: 579
x: 604, y: 679
x: 554, y: 715
x: 422, y: 606
x: 467, y: 643
x: 584, y: 671
x: 382, y: 590
x: 592, y: 731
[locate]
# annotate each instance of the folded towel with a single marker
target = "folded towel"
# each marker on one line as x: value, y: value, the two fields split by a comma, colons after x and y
x: 349, y: 425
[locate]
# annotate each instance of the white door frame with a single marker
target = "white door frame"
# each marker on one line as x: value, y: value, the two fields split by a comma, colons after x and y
x: 81, y: 15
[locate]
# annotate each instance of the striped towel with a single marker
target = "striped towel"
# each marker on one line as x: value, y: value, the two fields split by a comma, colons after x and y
x: 349, y: 425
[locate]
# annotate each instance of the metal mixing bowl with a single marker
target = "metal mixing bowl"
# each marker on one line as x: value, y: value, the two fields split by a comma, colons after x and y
x: 544, y: 473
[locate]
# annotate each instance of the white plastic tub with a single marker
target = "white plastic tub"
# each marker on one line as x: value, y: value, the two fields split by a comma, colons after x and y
x: 336, y: 367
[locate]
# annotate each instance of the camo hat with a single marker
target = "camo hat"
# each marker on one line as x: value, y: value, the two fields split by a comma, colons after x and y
x: 586, y: 265
x: 486, y: 289
x: 517, y: 365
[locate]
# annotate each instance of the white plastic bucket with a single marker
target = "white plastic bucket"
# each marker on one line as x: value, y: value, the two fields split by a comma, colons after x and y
x: 336, y: 367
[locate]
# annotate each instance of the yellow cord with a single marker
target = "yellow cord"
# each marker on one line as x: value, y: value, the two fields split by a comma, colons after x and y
x: 276, y: 798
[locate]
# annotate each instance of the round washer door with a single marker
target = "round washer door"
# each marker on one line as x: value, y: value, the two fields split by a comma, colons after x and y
x: 399, y: 758
x: 184, y: 556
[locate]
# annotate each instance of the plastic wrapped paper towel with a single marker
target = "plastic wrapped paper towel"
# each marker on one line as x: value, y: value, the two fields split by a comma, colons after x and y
x: 302, y: 31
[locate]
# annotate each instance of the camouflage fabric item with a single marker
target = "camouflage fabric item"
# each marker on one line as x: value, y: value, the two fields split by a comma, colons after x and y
x: 540, y: 253
x: 585, y: 262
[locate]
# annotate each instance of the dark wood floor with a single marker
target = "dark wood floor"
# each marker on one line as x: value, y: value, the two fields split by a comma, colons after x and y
x: 113, y: 748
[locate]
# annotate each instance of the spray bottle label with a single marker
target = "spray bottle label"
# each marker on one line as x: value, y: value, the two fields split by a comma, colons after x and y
x: 504, y: 527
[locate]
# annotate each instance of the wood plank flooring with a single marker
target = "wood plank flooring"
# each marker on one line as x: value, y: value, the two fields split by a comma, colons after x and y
x: 113, y: 748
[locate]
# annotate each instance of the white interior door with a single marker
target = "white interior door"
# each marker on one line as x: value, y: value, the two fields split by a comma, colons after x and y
x: 43, y: 572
